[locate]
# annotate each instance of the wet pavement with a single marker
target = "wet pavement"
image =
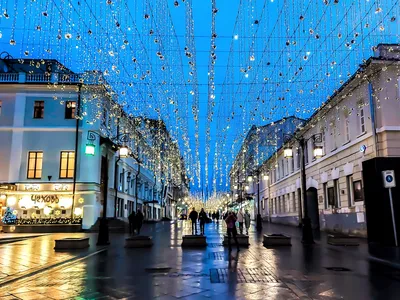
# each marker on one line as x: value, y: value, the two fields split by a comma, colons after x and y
x: 166, y: 271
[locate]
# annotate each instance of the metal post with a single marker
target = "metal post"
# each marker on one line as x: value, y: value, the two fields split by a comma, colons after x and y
x: 393, y: 219
x: 259, y: 220
x: 307, y: 230
x: 103, y: 236
x: 78, y: 110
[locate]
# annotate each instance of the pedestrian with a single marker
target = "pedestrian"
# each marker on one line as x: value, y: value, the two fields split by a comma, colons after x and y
x: 247, y: 221
x: 194, y: 216
x: 203, y: 219
x: 225, y: 215
x: 139, y: 221
x: 213, y: 216
x: 217, y: 216
x: 231, y: 230
x: 132, y: 221
x: 240, y: 219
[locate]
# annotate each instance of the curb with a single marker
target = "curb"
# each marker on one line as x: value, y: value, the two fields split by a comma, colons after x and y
x: 49, y: 267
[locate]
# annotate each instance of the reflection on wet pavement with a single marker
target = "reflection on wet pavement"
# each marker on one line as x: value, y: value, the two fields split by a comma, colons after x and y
x: 166, y: 271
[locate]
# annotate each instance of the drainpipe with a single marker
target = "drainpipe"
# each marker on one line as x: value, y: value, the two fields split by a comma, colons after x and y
x: 372, y: 110
x: 78, y: 109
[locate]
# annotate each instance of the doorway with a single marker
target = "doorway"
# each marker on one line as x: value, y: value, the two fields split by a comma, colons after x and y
x: 312, y: 205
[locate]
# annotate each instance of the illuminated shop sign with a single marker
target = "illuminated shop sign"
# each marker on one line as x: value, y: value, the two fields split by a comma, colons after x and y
x: 45, y: 198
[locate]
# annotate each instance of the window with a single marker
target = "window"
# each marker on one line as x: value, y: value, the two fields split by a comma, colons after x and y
x: 38, y: 110
x: 362, y: 120
x: 325, y: 190
x: 331, y: 196
x: 263, y: 203
x: 298, y: 158
x: 349, y: 184
x: 346, y: 129
x: 337, y: 192
x: 67, y: 164
x: 292, y: 165
x: 35, y: 161
x: 306, y: 152
x: 357, y: 190
x: 294, y: 201
x: 334, y: 137
x: 70, y: 108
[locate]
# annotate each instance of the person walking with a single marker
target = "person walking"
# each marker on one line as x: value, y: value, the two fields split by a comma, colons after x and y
x: 217, y: 216
x: 247, y: 221
x: 139, y: 221
x: 203, y: 219
x: 132, y: 225
x: 240, y: 219
x: 193, y: 216
x: 231, y: 230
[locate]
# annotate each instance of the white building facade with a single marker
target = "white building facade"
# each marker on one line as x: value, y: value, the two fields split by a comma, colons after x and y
x: 59, y: 157
x: 358, y: 126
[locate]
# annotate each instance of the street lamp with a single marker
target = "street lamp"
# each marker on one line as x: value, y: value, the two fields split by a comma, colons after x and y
x: 266, y: 177
x: 318, y: 151
x: 123, y: 152
x: 316, y: 138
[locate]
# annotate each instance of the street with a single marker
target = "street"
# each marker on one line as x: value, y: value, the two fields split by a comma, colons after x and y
x: 166, y: 271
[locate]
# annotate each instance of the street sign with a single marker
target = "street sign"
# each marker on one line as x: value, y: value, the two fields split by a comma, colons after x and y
x: 389, y: 182
x: 388, y: 179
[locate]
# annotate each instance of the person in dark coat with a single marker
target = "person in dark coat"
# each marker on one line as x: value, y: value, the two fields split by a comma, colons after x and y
x: 231, y: 230
x: 132, y: 221
x: 194, y: 216
x: 203, y: 219
x: 139, y: 221
x: 217, y: 216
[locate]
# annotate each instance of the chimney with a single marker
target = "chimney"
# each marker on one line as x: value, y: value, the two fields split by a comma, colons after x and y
x: 388, y: 51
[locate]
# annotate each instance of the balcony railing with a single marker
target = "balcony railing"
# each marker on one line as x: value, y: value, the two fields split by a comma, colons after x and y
x: 9, y: 77
x: 52, y: 78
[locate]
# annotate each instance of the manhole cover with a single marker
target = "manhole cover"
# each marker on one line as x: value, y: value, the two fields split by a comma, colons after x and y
x: 253, y: 275
x: 338, y: 269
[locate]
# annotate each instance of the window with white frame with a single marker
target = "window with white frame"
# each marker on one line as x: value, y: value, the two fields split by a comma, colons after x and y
x: 349, y: 185
x: 346, y: 128
x: 291, y: 165
x: 362, y: 120
x: 334, y: 136
x: 337, y: 192
x: 306, y: 153
x: 298, y: 158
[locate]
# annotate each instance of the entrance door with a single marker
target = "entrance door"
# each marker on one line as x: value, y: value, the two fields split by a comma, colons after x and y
x: 312, y: 205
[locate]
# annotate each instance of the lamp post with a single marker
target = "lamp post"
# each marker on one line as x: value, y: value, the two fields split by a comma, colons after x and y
x: 288, y: 153
x: 258, y: 218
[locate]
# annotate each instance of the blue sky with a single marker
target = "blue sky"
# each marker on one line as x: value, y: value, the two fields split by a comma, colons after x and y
x: 273, y: 59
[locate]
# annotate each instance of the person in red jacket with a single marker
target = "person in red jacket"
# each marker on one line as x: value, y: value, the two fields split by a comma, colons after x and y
x: 231, y: 230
